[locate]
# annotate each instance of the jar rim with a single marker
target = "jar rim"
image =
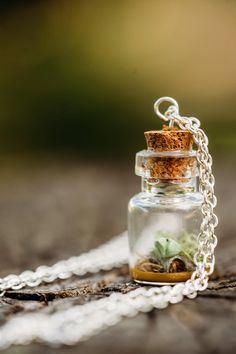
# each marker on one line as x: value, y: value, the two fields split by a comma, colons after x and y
x: 176, y: 153
x: 166, y: 164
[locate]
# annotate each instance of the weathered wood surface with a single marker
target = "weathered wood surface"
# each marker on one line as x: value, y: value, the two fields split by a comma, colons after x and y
x: 55, y: 209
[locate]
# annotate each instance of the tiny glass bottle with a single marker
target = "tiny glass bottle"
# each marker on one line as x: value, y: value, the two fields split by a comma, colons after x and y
x: 165, y: 218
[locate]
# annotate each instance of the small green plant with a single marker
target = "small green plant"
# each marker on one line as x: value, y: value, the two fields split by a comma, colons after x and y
x: 166, y: 246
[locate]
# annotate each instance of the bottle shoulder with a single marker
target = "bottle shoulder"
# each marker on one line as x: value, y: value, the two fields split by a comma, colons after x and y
x: 144, y: 199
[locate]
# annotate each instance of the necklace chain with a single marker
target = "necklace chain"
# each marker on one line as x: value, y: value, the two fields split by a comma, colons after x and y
x: 64, y: 327
x: 110, y: 255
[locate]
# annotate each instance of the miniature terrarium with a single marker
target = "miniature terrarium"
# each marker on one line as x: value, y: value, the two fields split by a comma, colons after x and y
x: 165, y: 218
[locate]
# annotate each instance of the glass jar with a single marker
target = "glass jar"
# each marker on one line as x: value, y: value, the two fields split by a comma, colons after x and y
x: 165, y: 218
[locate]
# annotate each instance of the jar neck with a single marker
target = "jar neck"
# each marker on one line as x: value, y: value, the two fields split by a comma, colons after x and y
x: 169, y: 187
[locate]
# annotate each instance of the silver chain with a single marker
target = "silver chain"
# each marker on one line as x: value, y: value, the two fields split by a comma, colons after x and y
x: 207, y: 240
x: 110, y: 255
x: 64, y: 327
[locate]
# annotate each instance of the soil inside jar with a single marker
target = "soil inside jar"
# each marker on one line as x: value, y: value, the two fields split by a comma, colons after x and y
x: 159, y: 277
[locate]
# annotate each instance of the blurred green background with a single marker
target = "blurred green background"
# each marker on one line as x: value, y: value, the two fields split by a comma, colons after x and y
x: 81, y: 77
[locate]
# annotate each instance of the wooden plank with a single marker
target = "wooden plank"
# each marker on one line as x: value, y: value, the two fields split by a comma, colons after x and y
x: 51, y: 211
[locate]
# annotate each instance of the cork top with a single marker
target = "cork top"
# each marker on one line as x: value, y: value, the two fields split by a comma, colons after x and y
x: 169, y: 139
x: 169, y: 155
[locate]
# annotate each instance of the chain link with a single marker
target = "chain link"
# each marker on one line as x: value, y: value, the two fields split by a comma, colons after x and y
x: 81, y: 322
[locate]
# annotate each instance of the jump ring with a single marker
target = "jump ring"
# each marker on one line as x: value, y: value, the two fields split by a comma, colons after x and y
x: 161, y: 100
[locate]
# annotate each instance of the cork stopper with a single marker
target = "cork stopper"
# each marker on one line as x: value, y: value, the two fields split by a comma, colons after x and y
x: 169, y: 154
x: 169, y: 139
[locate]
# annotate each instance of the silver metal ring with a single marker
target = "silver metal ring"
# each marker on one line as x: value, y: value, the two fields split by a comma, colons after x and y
x: 161, y: 100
